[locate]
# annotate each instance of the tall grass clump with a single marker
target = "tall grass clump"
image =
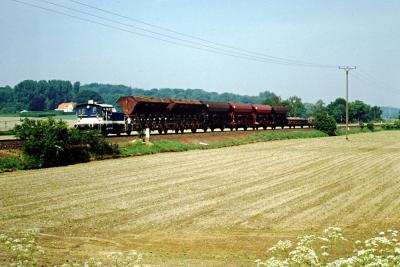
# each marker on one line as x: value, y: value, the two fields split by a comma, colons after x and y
x: 312, y: 250
x: 11, y: 163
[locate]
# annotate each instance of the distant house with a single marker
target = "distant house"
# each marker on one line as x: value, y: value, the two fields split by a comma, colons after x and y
x: 66, y: 107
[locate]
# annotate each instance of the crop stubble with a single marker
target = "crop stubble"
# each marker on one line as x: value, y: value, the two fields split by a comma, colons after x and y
x: 209, y: 207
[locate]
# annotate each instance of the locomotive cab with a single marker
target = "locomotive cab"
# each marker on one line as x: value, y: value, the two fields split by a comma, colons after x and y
x: 101, y: 117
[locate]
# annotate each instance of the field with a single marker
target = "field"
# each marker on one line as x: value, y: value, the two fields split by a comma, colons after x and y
x: 9, y: 122
x: 207, y: 208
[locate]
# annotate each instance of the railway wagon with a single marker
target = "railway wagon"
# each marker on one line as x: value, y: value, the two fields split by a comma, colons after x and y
x: 164, y: 114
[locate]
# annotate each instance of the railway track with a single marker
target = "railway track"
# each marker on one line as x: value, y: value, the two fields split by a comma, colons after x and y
x: 186, y: 137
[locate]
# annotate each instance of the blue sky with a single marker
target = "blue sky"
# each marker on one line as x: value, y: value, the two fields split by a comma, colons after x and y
x: 36, y: 44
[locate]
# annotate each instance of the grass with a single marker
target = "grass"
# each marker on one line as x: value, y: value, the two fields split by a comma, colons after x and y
x: 158, y: 146
x: 221, y: 207
x: 11, y: 163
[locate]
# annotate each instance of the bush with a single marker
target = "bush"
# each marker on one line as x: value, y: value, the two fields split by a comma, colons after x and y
x: 326, y: 124
x: 49, y: 143
x: 370, y: 126
x: 11, y: 163
x: 362, y: 125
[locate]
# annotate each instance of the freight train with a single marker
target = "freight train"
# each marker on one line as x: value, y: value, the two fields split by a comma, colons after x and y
x: 168, y: 114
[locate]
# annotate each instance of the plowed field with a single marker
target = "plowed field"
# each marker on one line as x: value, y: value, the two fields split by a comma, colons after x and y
x: 207, y: 208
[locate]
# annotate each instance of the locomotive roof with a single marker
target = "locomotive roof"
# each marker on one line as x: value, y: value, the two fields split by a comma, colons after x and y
x: 95, y: 104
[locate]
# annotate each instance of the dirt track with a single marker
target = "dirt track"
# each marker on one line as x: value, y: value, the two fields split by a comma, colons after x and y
x: 214, y: 207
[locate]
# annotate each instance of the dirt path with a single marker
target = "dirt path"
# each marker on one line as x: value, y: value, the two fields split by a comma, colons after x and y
x: 214, y: 207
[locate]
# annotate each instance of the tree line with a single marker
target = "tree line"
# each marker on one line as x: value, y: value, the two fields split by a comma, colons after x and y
x: 358, y: 110
x: 47, y: 95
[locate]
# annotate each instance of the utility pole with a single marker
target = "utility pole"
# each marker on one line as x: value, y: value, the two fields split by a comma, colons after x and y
x: 347, y: 69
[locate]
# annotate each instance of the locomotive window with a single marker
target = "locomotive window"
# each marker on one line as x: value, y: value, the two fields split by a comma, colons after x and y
x: 89, y: 111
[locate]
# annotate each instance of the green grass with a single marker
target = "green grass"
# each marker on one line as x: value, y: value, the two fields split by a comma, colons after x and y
x: 7, y: 132
x: 11, y: 163
x: 159, y: 146
x: 342, y: 131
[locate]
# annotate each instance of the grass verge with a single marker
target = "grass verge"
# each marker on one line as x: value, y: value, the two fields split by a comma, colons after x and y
x: 139, y: 148
x: 11, y: 163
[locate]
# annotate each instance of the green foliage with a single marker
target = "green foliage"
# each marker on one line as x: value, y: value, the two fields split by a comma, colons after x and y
x: 325, y: 123
x: 370, y: 126
x: 11, y: 163
x: 362, y: 125
x: 85, y: 95
x: 139, y: 148
x: 296, y: 107
x: 358, y: 111
x: 111, y: 93
x: 42, y: 114
x: 316, y: 109
x: 49, y: 143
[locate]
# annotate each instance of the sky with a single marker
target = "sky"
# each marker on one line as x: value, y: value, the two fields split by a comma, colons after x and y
x: 38, y: 44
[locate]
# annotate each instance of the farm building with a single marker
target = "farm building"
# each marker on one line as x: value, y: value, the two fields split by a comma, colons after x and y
x: 66, y: 107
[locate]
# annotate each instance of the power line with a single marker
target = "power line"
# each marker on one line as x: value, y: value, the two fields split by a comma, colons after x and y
x: 200, y: 39
x: 165, y: 35
x: 208, y: 49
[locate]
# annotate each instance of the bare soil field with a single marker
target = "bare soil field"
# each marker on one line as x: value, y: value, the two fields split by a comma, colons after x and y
x: 209, y: 208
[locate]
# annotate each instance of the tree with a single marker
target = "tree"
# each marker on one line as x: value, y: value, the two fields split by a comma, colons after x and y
x: 84, y: 96
x: 317, y: 109
x: 76, y: 88
x: 375, y: 113
x: 337, y: 109
x: 359, y: 111
x: 37, y: 103
x: 273, y: 101
x: 296, y: 107
x: 325, y: 123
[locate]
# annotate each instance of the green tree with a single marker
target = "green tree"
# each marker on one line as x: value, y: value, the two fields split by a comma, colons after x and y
x: 273, y: 101
x: 359, y: 111
x: 337, y: 109
x: 296, y: 107
x: 325, y: 123
x: 37, y: 103
x: 76, y: 88
x: 375, y: 113
x: 316, y: 109
x: 84, y: 96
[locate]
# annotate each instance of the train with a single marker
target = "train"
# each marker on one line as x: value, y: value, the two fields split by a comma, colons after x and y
x: 177, y: 115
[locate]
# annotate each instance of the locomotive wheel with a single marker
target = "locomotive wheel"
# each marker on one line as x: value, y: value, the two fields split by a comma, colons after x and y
x: 283, y: 126
x: 193, y: 130
x: 182, y: 130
